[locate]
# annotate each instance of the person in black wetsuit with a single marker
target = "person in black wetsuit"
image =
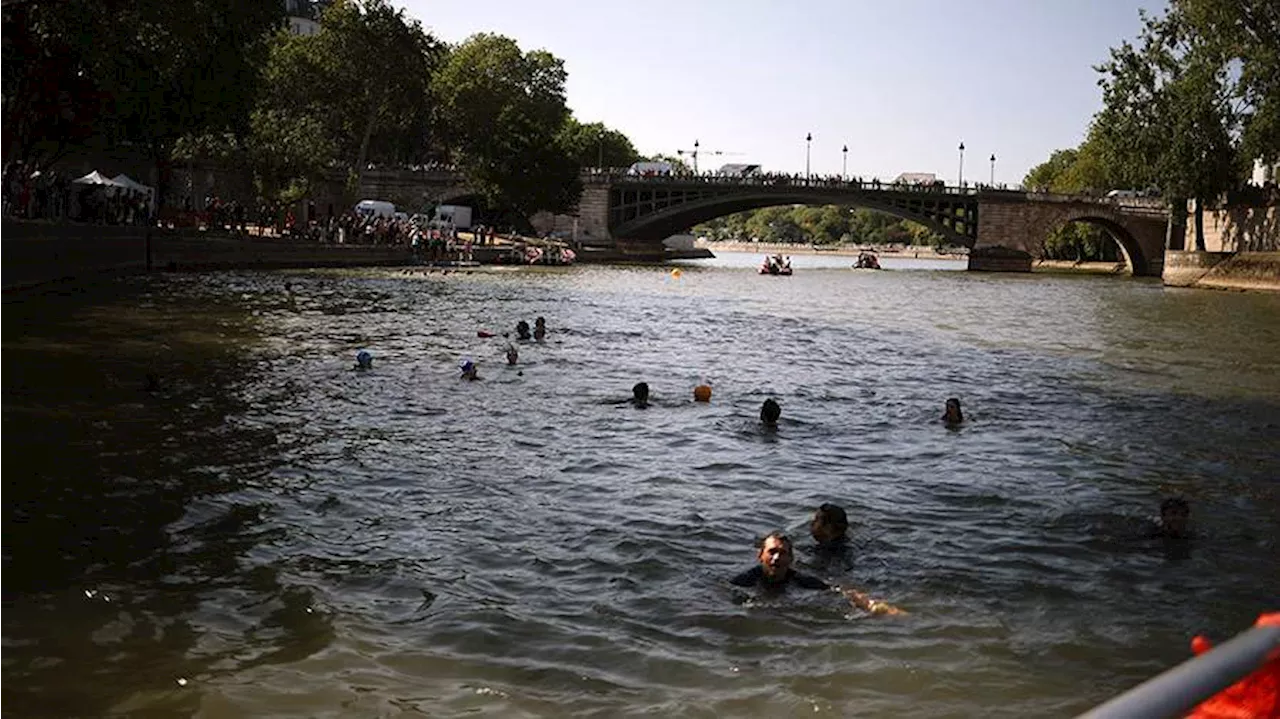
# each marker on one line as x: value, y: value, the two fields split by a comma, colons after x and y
x: 770, y: 411
x: 522, y: 330
x: 774, y: 573
x: 640, y: 395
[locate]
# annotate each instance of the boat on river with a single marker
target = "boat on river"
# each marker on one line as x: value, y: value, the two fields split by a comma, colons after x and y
x: 867, y: 261
x: 776, y: 265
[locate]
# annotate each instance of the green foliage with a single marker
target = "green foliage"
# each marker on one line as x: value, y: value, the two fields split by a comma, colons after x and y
x: 829, y: 224
x: 1167, y: 117
x: 146, y: 72
x: 504, y: 110
x: 594, y: 145
x: 1080, y: 242
x: 1244, y: 35
x: 358, y: 91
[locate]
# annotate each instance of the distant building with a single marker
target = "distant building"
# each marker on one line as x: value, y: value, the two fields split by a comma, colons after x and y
x: 916, y: 178
x: 1264, y: 173
x: 303, y: 16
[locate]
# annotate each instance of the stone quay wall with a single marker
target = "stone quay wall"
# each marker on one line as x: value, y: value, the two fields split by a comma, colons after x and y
x: 36, y: 253
x: 1242, y: 250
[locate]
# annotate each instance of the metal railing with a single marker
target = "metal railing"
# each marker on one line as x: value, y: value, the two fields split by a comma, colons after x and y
x: 1179, y: 690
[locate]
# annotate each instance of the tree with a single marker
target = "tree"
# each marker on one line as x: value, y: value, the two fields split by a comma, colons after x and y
x: 147, y: 72
x: 49, y: 103
x: 503, y: 111
x: 1044, y: 177
x: 1167, y: 114
x: 1246, y: 36
x: 363, y: 81
x: 594, y: 145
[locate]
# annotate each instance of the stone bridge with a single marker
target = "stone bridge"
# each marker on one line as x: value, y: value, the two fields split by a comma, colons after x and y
x: 1003, y: 229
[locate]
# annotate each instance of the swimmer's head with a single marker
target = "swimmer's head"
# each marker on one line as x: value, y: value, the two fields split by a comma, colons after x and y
x: 829, y: 524
x: 770, y: 411
x: 640, y: 392
x: 468, y: 369
x: 512, y: 354
x: 702, y: 393
x: 1175, y: 513
x: 364, y: 359
x: 540, y: 322
x: 953, y: 415
x: 775, y: 554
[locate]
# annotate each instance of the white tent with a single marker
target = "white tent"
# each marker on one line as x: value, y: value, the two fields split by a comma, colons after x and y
x: 129, y: 183
x: 97, y: 178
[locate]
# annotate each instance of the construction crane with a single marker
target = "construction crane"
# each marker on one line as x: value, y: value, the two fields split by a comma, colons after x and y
x: 694, y: 154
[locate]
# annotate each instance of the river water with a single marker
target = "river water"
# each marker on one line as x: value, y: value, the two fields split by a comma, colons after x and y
x: 265, y: 532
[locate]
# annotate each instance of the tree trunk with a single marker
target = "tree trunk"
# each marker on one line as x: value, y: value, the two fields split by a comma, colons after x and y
x: 1199, y: 225
x: 364, y: 145
x: 1175, y: 236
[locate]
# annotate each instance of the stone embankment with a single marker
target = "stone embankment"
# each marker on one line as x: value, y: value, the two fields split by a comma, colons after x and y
x: 1242, y: 246
x: 38, y: 252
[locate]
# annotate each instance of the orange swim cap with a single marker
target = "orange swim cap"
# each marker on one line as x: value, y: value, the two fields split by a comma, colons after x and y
x: 702, y: 393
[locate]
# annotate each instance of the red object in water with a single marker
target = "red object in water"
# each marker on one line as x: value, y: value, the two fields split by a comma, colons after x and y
x: 1257, y: 696
x: 483, y: 333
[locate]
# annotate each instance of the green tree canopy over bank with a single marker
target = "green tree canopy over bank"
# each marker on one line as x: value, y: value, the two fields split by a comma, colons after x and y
x: 221, y: 80
x: 829, y: 224
x: 1187, y: 107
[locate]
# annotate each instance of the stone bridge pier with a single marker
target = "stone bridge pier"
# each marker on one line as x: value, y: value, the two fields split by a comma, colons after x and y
x: 1012, y: 229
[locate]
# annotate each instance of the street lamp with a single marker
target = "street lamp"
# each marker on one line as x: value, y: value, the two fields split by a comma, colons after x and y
x: 993, y: 169
x: 961, y: 181
x: 600, y: 150
x: 808, y: 142
x: 695, y: 157
x: 844, y: 163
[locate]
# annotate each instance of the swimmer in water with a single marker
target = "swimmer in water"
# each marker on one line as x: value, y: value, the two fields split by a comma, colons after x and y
x: 364, y: 360
x: 469, y: 371
x: 640, y: 395
x: 829, y: 529
x: 770, y: 411
x: 829, y: 526
x: 953, y: 416
x: 522, y: 330
x: 774, y: 573
x: 513, y: 355
x: 539, y: 329
x: 1175, y: 514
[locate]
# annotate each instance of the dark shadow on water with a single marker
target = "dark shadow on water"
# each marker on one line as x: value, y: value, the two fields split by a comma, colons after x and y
x: 119, y: 409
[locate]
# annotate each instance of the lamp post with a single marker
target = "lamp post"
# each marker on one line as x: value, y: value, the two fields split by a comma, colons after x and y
x: 600, y: 151
x: 844, y: 163
x: 695, y: 157
x: 961, y: 179
x: 993, y: 169
x: 808, y: 142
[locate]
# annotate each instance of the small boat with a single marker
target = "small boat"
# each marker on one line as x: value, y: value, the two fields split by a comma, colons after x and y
x: 867, y: 261
x: 776, y: 266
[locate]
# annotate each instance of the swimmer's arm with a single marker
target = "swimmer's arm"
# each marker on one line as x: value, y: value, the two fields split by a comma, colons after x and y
x: 866, y: 603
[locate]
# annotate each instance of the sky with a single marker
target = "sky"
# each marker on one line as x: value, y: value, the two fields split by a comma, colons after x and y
x: 901, y: 83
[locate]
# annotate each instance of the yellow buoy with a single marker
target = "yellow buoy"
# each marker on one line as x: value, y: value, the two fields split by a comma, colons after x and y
x: 702, y: 393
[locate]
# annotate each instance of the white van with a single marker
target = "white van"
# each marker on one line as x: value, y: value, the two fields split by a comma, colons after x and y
x: 650, y: 169
x: 375, y: 208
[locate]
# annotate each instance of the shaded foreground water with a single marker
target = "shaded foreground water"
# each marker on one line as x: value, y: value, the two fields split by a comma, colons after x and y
x: 263, y: 531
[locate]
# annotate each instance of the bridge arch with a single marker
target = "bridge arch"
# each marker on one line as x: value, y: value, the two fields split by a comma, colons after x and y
x: 1134, y: 254
x: 657, y: 226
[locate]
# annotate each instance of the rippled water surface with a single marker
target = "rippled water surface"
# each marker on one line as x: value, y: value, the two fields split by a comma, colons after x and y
x: 263, y: 531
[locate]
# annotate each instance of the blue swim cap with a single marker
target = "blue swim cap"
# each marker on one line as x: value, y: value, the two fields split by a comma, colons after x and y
x: 364, y: 358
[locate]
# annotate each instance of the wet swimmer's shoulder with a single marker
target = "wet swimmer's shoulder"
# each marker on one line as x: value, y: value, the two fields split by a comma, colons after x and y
x: 757, y: 577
